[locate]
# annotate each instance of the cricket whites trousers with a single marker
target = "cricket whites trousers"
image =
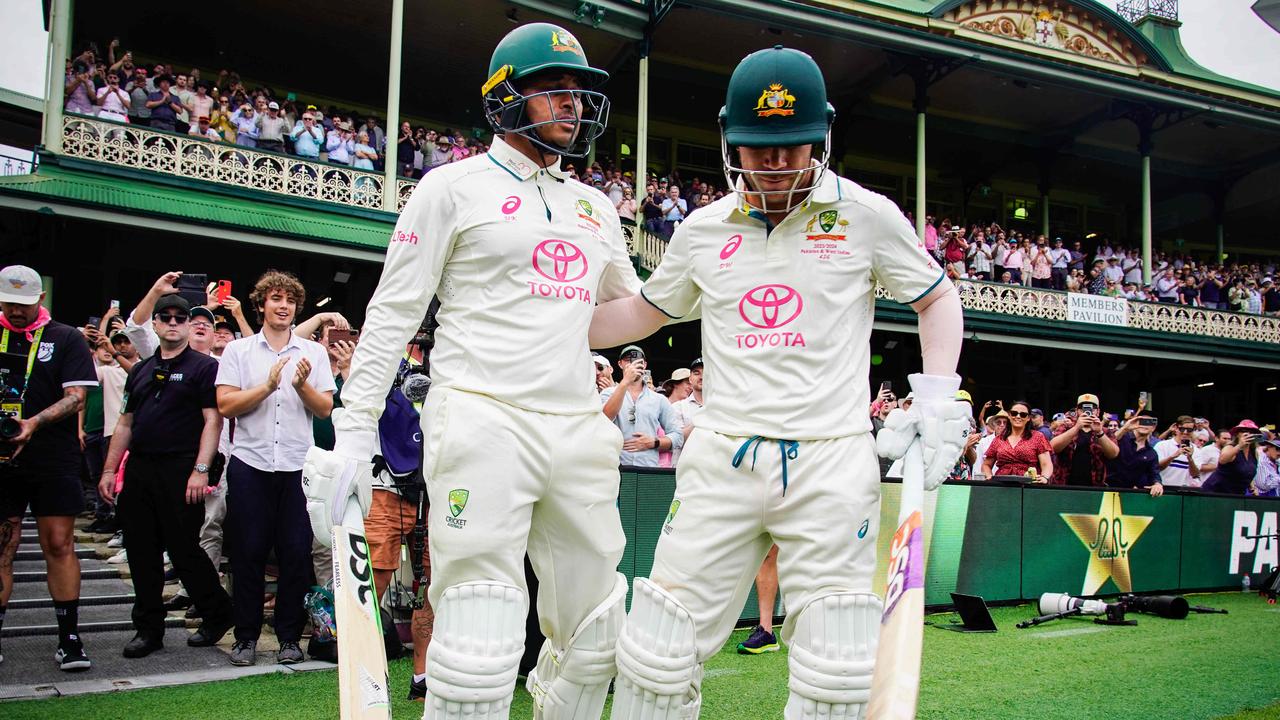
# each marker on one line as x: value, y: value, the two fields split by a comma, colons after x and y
x: 819, y: 501
x: 502, y: 481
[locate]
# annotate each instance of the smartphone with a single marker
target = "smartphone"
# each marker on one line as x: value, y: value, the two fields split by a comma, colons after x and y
x: 223, y: 290
x: 1088, y: 409
x: 337, y: 336
x: 1148, y: 421
x: 193, y: 288
x: 886, y: 385
x: 1144, y: 399
x: 94, y: 320
x: 115, y: 304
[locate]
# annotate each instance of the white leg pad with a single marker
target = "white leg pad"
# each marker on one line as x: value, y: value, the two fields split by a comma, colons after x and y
x: 659, y: 676
x: 573, y: 684
x: 832, y: 655
x: 475, y: 652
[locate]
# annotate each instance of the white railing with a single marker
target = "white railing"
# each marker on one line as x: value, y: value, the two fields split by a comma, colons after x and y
x: 193, y: 158
x: 190, y: 157
x: 1030, y: 302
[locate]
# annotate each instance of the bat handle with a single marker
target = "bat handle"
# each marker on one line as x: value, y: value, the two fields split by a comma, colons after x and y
x: 912, y: 481
x: 353, y: 516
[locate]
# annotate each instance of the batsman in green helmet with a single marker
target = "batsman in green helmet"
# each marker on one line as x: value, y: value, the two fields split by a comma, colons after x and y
x: 541, y: 90
x: 517, y: 456
x: 784, y: 272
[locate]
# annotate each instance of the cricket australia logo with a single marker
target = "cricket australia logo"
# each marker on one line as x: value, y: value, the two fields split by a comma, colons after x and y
x: 775, y: 100
x: 457, y: 503
x: 827, y: 220
x: 769, y: 307
x: 562, y: 262
x: 671, y: 515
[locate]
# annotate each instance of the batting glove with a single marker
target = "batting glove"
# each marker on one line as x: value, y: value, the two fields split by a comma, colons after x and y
x: 941, y: 421
x: 329, y: 477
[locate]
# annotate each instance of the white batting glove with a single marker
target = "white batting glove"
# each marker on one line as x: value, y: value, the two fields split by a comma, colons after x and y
x: 329, y: 477
x: 943, y: 424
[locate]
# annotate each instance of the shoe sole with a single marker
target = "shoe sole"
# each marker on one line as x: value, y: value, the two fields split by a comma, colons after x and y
x: 75, y: 666
x: 744, y: 650
x: 243, y: 663
x: 137, y: 655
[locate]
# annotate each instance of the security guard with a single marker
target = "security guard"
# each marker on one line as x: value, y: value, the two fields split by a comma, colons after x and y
x: 517, y: 452
x: 170, y: 426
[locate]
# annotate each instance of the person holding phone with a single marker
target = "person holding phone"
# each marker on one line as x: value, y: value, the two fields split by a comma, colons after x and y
x: 1237, y: 463
x: 1083, y: 446
x: 1178, y: 466
x: 638, y: 412
x: 1137, y: 465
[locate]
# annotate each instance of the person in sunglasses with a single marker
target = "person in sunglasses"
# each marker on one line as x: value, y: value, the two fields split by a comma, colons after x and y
x: 170, y: 427
x: 1019, y: 448
x: 639, y: 411
x: 1178, y: 465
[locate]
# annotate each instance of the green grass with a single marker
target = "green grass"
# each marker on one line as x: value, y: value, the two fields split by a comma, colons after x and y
x: 1207, y: 666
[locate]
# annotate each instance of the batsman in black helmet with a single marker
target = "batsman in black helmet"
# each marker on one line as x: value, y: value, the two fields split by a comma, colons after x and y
x: 785, y: 269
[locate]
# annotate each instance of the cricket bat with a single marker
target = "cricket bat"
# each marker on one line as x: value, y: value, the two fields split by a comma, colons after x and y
x: 896, y: 683
x: 362, y: 657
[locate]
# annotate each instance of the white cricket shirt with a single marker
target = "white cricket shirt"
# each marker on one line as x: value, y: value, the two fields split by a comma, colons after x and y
x: 519, y: 256
x: 786, y: 314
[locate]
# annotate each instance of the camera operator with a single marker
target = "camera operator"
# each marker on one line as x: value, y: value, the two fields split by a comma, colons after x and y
x: 1178, y: 466
x: 170, y: 426
x: 398, y: 494
x: 1083, y: 446
x: 1136, y: 465
x: 46, y: 368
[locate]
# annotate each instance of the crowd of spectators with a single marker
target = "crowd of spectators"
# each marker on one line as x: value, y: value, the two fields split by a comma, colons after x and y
x: 1085, y: 445
x: 990, y: 253
x: 224, y: 109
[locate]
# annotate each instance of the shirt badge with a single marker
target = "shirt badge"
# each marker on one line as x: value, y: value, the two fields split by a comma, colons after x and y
x: 45, y: 353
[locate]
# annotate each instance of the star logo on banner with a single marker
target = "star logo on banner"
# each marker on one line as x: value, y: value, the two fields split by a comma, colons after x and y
x: 1109, y: 536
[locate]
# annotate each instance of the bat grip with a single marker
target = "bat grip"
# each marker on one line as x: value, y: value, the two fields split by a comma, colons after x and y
x: 352, y: 515
x: 912, y: 481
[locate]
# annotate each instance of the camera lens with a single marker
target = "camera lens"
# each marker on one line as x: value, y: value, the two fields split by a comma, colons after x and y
x: 10, y: 428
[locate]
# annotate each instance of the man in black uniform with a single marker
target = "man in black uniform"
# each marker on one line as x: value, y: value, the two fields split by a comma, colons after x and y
x: 46, y: 369
x: 170, y: 426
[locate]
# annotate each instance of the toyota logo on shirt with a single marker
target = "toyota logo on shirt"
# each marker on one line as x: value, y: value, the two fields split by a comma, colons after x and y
x: 770, y: 306
x: 559, y: 260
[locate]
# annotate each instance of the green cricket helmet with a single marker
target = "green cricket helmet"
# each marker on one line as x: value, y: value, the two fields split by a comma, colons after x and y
x: 534, y: 49
x: 777, y: 98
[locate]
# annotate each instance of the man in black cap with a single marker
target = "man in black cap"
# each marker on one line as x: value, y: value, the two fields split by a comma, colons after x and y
x: 170, y: 426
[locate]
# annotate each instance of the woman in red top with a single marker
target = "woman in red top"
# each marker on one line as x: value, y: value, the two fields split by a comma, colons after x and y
x: 1020, y: 447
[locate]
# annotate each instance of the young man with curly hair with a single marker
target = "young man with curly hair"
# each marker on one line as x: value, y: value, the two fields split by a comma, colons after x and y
x: 272, y: 383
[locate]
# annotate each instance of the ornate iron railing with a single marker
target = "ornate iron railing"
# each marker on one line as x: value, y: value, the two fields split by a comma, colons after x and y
x: 194, y: 158
x: 191, y: 157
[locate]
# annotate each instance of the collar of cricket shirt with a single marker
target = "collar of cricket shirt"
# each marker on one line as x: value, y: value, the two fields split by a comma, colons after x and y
x: 519, y: 164
x: 828, y: 192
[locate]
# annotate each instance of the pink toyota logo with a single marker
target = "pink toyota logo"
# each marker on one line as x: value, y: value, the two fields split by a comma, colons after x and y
x: 565, y: 261
x: 772, y: 305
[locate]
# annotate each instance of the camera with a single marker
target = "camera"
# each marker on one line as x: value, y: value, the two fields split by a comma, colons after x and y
x: 10, y: 410
x: 1088, y: 409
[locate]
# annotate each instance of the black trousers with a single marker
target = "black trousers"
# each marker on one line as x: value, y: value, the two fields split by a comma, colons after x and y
x: 153, y: 512
x: 267, y: 510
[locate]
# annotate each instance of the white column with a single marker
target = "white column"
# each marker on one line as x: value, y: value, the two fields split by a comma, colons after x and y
x: 55, y: 77
x: 642, y: 129
x: 1044, y: 216
x: 920, y: 178
x: 390, y: 195
x: 1146, y: 218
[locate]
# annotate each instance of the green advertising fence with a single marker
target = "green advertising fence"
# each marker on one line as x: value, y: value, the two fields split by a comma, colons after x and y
x: 1011, y: 542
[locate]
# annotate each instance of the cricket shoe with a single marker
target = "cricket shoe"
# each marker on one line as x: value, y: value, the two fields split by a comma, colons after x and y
x: 71, y: 657
x: 759, y: 642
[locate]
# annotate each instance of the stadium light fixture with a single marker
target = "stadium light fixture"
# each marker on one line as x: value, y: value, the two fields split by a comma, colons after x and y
x: 323, y: 301
x: 1205, y: 385
x: 1271, y: 389
x: 1090, y: 236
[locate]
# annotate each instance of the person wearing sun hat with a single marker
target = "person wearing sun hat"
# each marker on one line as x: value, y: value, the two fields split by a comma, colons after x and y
x: 1238, y: 462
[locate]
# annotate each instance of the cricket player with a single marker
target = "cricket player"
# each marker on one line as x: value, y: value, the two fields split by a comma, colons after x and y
x: 785, y: 269
x: 516, y: 452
